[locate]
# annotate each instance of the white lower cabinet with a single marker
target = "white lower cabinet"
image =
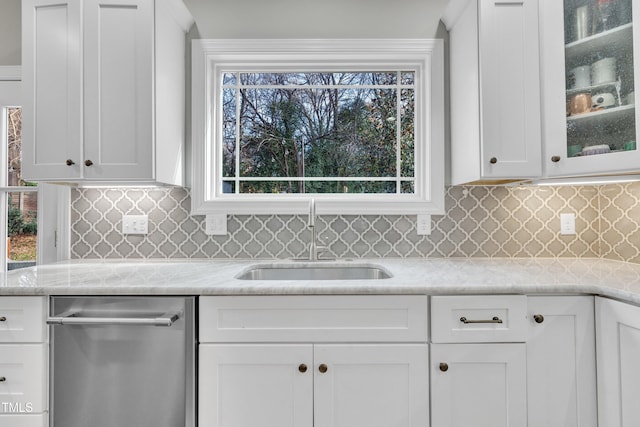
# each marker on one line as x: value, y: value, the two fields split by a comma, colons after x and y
x: 512, y: 360
x: 343, y: 374
x: 255, y: 385
x: 23, y: 362
x: 618, y: 348
x: 478, y: 385
x: 301, y: 385
x: 561, y: 362
x: 31, y: 420
x: 478, y: 361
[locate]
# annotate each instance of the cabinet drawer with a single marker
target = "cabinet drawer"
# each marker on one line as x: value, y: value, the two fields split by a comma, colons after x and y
x: 370, y: 318
x: 24, y: 420
x: 23, y: 369
x: 495, y: 318
x: 22, y: 319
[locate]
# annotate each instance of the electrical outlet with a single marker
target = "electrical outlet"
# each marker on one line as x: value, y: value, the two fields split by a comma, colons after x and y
x: 216, y: 225
x: 567, y: 224
x: 423, y: 224
x: 135, y: 224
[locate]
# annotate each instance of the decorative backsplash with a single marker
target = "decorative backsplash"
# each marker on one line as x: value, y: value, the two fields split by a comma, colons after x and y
x: 479, y: 222
x: 620, y: 222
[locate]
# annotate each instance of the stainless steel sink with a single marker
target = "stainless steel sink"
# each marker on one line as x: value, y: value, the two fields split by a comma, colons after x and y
x: 314, y: 272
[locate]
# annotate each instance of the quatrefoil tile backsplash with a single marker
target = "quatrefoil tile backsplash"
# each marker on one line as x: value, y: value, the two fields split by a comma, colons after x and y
x: 479, y: 222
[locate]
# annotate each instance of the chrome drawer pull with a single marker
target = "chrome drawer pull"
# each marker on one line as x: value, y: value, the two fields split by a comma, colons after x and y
x: 495, y: 319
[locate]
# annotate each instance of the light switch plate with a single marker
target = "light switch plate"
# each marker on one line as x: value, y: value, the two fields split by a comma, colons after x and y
x: 423, y: 224
x: 567, y: 224
x: 216, y: 225
x: 135, y: 224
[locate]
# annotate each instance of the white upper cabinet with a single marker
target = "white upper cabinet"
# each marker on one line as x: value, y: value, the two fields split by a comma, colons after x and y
x: 590, y: 63
x: 104, y: 86
x: 495, y: 90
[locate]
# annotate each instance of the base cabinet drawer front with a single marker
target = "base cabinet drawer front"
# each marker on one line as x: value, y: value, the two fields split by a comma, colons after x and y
x: 27, y: 420
x: 478, y: 385
x: 22, y: 378
x: 22, y: 319
x: 371, y: 318
x: 476, y: 319
x: 618, y: 349
x: 255, y: 385
x: 561, y: 362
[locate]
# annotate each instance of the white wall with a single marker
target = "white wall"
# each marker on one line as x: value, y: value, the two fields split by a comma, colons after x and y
x: 279, y: 19
x: 316, y: 18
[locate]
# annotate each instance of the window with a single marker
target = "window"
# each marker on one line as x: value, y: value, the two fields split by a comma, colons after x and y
x: 19, y: 217
x: 355, y: 125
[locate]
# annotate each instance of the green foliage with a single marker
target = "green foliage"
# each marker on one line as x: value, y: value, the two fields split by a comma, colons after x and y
x: 17, y: 223
x: 333, y: 132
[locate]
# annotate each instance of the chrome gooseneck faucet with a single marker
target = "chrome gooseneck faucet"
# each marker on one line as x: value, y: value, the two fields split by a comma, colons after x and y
x: 314, y: 249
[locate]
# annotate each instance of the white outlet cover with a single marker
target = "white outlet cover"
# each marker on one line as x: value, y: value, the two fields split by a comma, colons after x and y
x: 423, y: 224
x: 567, y: 224
x: 135, y: 224
x: 216, y: 225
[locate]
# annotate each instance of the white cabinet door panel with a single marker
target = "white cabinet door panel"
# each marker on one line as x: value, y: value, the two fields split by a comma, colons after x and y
x: 255, y: 385
x: 478, y: 385
x: 618, y: 349
x: 561, y: 362
x: 510, y: 88
x: 371, y: 385
x: 23, y: 370
x: 118, y: 76
x: 52, y: 76
x: 24, y: 420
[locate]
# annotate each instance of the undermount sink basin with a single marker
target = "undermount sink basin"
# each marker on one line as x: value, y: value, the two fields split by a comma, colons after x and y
x: 315, y: 272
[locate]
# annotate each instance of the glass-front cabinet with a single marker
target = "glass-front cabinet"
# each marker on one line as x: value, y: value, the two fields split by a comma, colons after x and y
x: 590, y: 69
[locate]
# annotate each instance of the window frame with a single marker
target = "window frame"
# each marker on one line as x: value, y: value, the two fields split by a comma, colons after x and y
x: 53, y: 200
x: 424, y: 56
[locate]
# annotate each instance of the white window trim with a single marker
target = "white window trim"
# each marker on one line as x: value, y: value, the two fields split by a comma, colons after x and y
x: 53, y: 200
x: 425, y: 55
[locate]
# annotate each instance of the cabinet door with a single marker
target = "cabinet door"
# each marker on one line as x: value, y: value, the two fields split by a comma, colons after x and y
x: 478, y: 385
x: 590, y: 66
x: 118, y: 89
x: 52, y: 78
x: 255, y: 385
x: 24, y: 420
x: 618, y: 348
x: 510, y: 88
x: 23, y: 378
x: 561, y: 362
x: 371, y: 385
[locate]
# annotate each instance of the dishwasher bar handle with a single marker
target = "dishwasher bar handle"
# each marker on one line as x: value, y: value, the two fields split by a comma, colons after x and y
x: 168, y: 320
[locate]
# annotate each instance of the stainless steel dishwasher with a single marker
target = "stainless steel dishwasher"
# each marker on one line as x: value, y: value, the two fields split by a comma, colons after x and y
x: 122, y: 362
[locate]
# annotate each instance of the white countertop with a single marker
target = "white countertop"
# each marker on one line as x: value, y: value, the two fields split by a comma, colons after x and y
x: 410, y: 276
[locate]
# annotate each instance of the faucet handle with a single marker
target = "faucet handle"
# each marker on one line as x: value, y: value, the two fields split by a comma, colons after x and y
x: 312, y: 213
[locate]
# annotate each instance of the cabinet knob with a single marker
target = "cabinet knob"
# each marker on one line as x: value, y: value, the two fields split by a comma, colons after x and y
x: 3, y: 319
x: 88, y: 163
x: 302, y: 368
x: 555, y: 159
x: 539, y: 318
x: 444, y: 367
x: 493, y: 160
x: 322, y: 368
x: 70, y: 162
x: 2, y: 379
